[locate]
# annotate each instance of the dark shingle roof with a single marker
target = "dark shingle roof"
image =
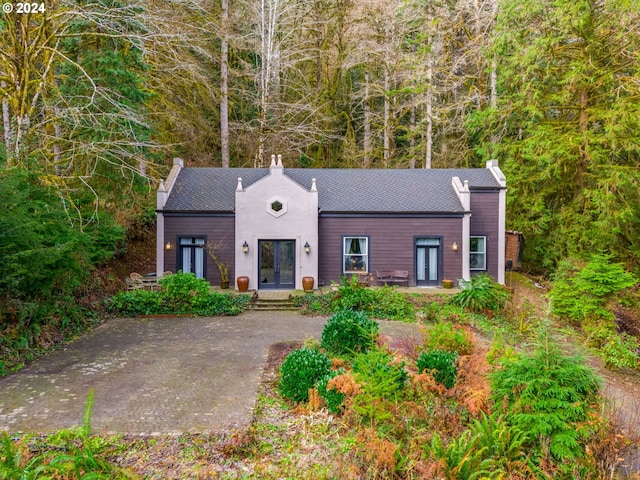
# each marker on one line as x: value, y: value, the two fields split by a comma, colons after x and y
x: 339, y: 190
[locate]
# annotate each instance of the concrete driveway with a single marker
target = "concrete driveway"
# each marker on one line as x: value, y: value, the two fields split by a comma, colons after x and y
x: 156, y: 375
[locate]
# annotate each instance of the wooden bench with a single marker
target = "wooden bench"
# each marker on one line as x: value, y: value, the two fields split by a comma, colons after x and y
x: 392, y: 277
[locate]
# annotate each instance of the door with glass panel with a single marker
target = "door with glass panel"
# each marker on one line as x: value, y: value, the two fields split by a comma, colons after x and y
x: 191, y: 256
x: 277, y: 264
x: 428, y: 261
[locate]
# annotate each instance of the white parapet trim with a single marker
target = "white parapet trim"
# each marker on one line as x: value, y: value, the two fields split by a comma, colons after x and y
x: 464, y: 195
x: 463, y: 192
x: 162, y: 195
x: 492, y: 165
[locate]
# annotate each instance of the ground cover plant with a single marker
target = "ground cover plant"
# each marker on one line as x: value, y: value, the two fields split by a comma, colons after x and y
x: 68, y: 454
x: 378, y: 302
x: 180, y: 293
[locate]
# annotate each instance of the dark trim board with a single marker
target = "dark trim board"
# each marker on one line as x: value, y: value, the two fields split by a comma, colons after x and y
x: 390, y: 215
x: 199, y: 214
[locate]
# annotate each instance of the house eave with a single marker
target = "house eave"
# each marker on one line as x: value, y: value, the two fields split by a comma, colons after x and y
x: 196, y: 213
x: 335, y: 214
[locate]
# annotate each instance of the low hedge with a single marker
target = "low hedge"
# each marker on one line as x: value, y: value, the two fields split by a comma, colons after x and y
x: 181, y: 293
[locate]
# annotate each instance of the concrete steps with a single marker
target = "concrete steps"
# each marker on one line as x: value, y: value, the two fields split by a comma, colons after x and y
x: 272, y: 301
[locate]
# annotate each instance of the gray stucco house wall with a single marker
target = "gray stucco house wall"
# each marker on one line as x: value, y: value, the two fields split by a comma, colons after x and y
x: 276, y: 225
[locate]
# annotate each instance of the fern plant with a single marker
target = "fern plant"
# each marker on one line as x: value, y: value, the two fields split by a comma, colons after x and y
x: 332, y: 398
x: 69, y: 453
x: 481, y: 294
x: 489, y: 449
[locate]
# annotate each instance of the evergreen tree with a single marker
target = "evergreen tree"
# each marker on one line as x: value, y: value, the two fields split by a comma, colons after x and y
x: 547, y: 394
x: 567, y: 120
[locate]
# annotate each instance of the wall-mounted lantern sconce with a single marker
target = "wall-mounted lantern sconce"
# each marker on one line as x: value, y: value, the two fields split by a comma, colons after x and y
x: 245, y: 247
x: 454, y: 247
x: 167, y: 246
x: 307, y: 247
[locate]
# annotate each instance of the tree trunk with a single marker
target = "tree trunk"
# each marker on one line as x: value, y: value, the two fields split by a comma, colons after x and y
x: 367, y: 123
x: 224, y: 86
x: 387, y: 119
x: 6, y: 122
x: 429, y: 92
x: 412, y: 140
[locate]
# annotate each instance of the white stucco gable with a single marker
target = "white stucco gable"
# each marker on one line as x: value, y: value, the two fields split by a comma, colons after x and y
x: 276, y: 208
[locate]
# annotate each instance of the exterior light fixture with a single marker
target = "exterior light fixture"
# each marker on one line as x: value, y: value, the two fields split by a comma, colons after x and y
x: 245, y: 247
x: 167, y: 246
x: 307, y: 248
x: 454, y: 247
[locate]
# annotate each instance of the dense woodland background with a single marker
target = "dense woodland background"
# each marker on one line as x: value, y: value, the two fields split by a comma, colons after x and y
x: 98, y: 97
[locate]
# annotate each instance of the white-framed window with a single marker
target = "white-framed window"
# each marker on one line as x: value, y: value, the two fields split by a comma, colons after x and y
x: 355, y: 254
x: 478, y: 253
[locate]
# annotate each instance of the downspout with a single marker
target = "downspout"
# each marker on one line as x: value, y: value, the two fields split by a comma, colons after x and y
x: 492, y: 165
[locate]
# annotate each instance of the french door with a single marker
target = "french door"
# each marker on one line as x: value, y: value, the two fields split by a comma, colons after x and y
x: 428, y: 266
x: 276, y: 264
x: 191, y: 256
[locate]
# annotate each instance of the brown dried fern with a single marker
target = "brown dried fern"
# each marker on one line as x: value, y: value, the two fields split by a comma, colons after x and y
x: 472, y: 388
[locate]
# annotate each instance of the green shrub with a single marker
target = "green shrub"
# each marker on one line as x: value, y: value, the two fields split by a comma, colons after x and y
x: 481, y: 294
x: 352, y: 296
x: 384, y: 302
x: 389, y: 303
x: 333, y: 398
x: 180, y: 291
x: 548, y: 395
x: 582, y: 293
x: 216, y: 303
x: 300, y: 371
x: 315, y: 303
x: 445, y: 336
x: 135, y: 302
x: 619, y: 351
x: 348, y: 332
x: 441, y: 364
x: 196, y: 302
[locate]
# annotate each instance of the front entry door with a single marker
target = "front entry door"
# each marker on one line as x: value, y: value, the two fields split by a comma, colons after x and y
x: 277, y: 264
x: 428, y: 261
